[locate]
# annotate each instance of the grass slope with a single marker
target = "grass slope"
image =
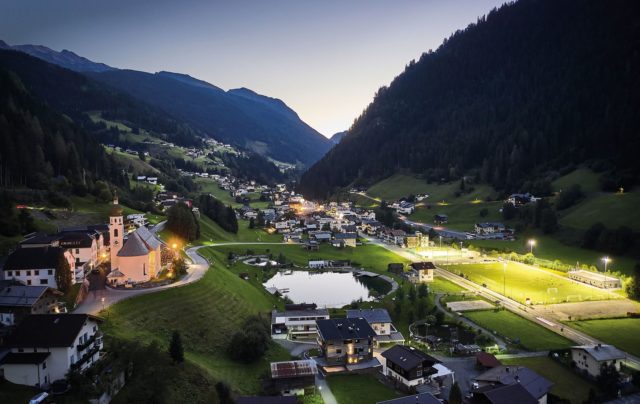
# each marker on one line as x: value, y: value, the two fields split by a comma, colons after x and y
x: 532, y: 336
x: 359, y: 389
x: 585, y: 177
x: 566, y: 384
x: 523, y: 281
x: 463, y: 215
x: 621, y: 332
x: 613, y: 210
x: 201, y: 312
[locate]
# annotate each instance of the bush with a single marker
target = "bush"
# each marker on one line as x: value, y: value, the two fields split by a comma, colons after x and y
x: 251, y: 343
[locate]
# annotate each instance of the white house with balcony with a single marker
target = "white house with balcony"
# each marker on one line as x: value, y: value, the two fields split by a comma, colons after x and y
x: 37, y: 266
x: 45, y: 347
x: 296, y: 324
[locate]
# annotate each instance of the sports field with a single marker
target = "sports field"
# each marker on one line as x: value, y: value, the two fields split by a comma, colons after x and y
x: 621, y: 332
x: 520, y: 282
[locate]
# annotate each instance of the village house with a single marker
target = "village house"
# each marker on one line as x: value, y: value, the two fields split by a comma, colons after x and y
x: 440, y: 218
x: 590, y: 358
x: 405, y: 208
x: 417, y: 240
x: 394, y: 236
x: 520, y: 199
x: 380, y: 321
x: 411, y: 368
x: 45, y: 347
x: 18, y: 301
x: 37, y: 266
x: 320, y: 236
x: 421, y: 272
x: 83, y: 246
x: 489, y: 228
x: 344, y: 240
x: 297, y: 321
x: 345, y: 341
x: 492, y: 382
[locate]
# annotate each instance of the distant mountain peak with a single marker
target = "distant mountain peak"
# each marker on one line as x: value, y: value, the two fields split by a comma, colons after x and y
x: 337, y: 137
x: 185, y: 78
x: 65, y: 58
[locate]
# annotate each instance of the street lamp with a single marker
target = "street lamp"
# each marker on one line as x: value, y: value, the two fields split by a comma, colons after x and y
x: 532, y: 243
x: 504, y: 278
x: 606, y: 261
x: 102, y: 300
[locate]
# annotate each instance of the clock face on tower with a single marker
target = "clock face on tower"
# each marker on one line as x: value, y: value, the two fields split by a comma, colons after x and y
x: 115, y: 242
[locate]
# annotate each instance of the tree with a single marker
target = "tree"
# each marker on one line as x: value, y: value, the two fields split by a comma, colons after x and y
x: 509, y: 211
x: 423, y: 290
x: 179, y: 266
x: 63, y: 274
x: 608, y: 380
x: 252, y: 223
x: 251, y: 343
x: 224, y: 393
x: 633, y: 285
x: 400, y: 294
x: 397, y: 309
x: 176, y: 351
x: 410, y: 317
x: 455, y: 395
x: 412, y: 293
x: 181, y: 222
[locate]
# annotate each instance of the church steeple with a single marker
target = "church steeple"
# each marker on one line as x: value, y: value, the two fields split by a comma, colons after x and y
x: 116, y: 231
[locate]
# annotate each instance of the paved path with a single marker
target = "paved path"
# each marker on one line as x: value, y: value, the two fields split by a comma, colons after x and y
x: 325, y: 391
x: 93, y: 303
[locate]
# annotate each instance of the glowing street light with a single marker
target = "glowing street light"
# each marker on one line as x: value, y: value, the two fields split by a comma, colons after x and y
x: 606, y: 261
x: 174, y: 246
x: 532, y: 244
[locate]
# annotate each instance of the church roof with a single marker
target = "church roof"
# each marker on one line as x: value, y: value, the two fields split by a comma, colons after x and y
x: 149, y: 238
x: 140, y: 242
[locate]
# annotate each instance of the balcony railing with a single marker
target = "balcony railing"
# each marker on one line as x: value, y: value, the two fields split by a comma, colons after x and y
x: 86, y: 357
x: 86, y: 344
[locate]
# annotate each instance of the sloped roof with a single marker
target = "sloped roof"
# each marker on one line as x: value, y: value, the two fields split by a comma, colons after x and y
x: 27, y: 358
x: 47, y: 330
x: 408, y: 357
x: 514, y: 393
x: 602, y: 352
x: 33, y: 258
x: 134, y: 247
x: 21, y: 295
x: 535, y: 384
x: 344, y: 328
x: 149, y: 238
x: 371, y: 315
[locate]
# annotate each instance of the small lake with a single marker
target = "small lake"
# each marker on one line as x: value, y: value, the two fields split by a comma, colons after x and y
x: 327, y: 289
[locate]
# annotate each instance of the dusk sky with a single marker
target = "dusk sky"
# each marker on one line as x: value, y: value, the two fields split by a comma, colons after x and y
x: 325, y: 59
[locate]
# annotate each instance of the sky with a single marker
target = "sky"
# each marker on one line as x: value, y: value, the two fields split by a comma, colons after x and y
x: 324, y: 58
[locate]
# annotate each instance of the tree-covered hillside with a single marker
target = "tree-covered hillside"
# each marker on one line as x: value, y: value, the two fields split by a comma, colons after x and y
x: 535, y: 86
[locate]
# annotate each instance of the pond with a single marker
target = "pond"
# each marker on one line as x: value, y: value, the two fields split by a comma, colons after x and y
x: 327, y: 289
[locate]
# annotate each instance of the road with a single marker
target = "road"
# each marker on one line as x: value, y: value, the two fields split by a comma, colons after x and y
x: 539, y: 315
x: 94, y: 303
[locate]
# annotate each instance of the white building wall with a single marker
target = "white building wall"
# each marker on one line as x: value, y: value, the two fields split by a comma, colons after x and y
x: 28, y: 375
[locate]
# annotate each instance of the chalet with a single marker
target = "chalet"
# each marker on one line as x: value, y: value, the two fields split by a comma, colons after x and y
x: 281, y: 227
x: 344, y: 240
x: 590, y: 358
x: 136, y: 220
x: 371, y: 227
x: 291, y: 378
x: 536, y: 386
x: 45, y: 347
x: 405, y: 208
x: 296, y: 322
x: 320, y: 236
x: 345, y: 341
x: 520, y: 199
x: 485, y: 360
x: 489, y: 228
x: 440, y: 219
x: 152, y: 180
x: 83, y: 246
x: 380, y: 321
x: 18, y: 301
x: 292, y: 238
x: 417, y: 240
x: 37, y: 266
x: 410, y: 367
x: 141, y: 178
x: 396, y: 268
x: 318, y: 264
x: 421, y: 272
x: 394, y: 236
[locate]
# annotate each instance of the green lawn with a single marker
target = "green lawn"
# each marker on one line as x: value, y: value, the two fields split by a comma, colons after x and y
x: 613, y: 210
x: 523, y: 281
x: 463, y: 215
x: 400, y: 185
x: 442, y: 285
x: 209, y: 186
x: 211, y: 232
x: 566, y: 383
x: 585, y: 177
x: 359, y: 389
x: 621, y: 332
x: 552, y: 249
x: 202, y: 313
x: 532, y: 337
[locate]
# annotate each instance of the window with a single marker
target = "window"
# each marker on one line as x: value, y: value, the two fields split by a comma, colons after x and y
x: 44, y: 281
x: 17, y: 273
x: 77, y: 251
x: 144, y: 269
x: 419, y: 372
x: 338, y: 351
x: 50, y: 272
x: 115, y: 232
x: 72, y: 359
x: 20, y: 350
x: 28, y: 282
x: 28, y: 273
x: 9, y: 273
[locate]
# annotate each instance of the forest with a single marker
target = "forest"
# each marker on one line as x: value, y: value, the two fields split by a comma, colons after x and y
x: 533, y: 87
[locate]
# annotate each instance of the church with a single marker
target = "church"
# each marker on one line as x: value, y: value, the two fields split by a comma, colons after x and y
x: 136, y: 258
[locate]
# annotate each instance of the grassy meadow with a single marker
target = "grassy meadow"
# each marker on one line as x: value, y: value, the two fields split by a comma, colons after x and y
x: 621, y: 332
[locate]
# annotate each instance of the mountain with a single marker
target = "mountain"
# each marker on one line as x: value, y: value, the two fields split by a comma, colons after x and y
x: 535, y: 86
x: 241, y: 117
x: 66, y: 59
x: 337, y: 137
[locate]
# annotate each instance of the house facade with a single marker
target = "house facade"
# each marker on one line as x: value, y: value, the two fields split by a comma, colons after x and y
x: 295, y: 324
x: 37, y: 266
x: 408, y: 366
x: 345, y: 341
x: 591, y: 358
x: 421, y: 272
x: 18, y: 301
x: 380, y: 322
x: 45, y: 347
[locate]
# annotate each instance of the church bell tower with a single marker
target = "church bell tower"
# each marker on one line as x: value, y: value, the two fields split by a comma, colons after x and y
x: 116, y: 230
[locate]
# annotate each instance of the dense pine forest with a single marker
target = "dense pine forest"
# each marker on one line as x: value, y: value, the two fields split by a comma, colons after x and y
x: 533, y: 87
